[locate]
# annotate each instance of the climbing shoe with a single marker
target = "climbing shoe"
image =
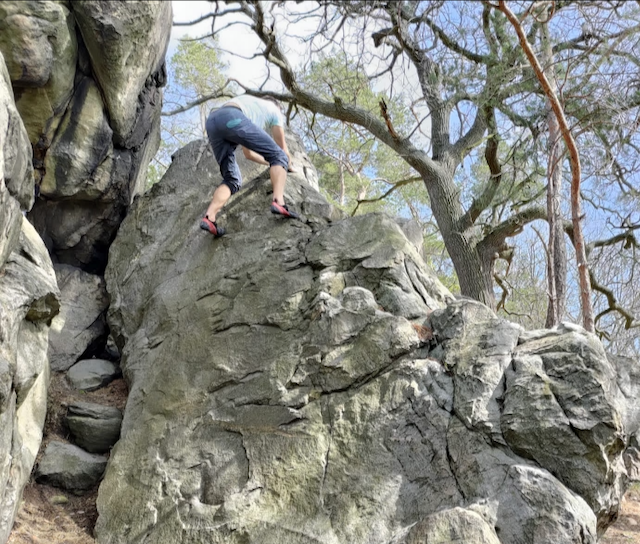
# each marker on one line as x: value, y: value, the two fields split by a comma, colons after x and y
x: 211, y: 226
x: 283, y: 210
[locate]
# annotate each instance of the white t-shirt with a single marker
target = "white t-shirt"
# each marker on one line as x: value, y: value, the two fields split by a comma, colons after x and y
x: 263, y: 113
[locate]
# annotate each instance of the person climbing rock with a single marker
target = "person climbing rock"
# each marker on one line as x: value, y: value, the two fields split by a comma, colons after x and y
x: 239, y: 122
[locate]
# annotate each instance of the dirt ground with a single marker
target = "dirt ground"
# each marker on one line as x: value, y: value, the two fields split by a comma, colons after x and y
x: 627, y: 529
x: 51, y: 516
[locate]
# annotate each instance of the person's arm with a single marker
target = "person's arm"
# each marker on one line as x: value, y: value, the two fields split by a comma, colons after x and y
x: 278, y: 136
x: 253, y: 156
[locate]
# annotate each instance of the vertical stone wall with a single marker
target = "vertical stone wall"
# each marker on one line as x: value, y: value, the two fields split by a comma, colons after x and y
x: 87, y: 79
x: 80, y: 101
x: 29, y: 300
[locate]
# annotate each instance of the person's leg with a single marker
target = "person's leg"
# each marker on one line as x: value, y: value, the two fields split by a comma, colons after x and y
x: 278, y: 176
x: 224, y: 152
x: 254, y: 138
x: 220, y: 197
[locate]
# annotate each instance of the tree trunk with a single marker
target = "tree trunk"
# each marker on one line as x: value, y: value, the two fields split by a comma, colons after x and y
x: 474, y: 276
x: 557, y: 258
x: 576, y: 173
x: 342, y: 186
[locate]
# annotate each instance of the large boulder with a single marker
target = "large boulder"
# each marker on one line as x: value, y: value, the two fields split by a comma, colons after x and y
x: 39, y: 42
x: 73, y: 170
x: 80, y: 328
x: 311, y: 381
x: 94, y: 427
x: 70, y: 467
x: 29, y: 300
x: 87, y: 80
x: 127, y: 42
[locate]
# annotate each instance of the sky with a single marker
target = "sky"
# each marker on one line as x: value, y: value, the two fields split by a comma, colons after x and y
x: 243, y: 42
x: 240, y: 41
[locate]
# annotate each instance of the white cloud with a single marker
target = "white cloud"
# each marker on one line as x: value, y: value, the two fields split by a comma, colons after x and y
x: 238, y: 41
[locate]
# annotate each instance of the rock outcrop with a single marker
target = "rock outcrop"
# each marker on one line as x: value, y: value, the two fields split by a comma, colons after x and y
x: 80, y: 101
x: 312, y: 382
x: 87, y: 78
x: 81, y: 325
x: 29, y: 300
x: 16, y: 171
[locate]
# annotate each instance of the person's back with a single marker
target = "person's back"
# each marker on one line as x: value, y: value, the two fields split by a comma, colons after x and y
x: 262, y: 113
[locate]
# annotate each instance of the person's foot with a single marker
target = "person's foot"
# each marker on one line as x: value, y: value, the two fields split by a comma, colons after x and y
x: 282, y: 209
x: 211, y: 226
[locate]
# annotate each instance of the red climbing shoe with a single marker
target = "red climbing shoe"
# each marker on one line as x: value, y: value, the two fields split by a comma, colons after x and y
x: 211, y: 226
x: 283, y: 210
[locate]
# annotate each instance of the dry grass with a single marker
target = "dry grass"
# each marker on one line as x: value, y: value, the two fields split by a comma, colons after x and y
x: 51, y: 516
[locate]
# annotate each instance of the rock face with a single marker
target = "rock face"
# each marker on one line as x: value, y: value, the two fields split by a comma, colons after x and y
x: 126, y: 44
x: 81, y: 322
x: 90, y: 160
x: 92, y: 138
x: 16, y: 172
x: 312, y: 382
x: 29, y: 300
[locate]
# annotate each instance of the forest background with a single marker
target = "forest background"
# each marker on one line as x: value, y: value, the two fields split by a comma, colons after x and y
x: 433, y: 111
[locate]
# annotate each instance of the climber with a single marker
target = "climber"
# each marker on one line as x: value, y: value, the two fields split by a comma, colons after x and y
x: 239, y: 122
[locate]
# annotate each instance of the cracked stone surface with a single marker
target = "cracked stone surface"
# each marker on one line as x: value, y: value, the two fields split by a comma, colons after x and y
x: 312, y: 382
x: 29, y: 300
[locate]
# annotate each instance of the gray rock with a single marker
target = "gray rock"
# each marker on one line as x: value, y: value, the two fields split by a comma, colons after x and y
x: 311, y: 381
x: 81, y: 323
x: 29, y: 300
x: 94, y: 427
x: 78, y: 233
x: 85, y: 171
x: 127, y: 42
x: 16, y: 171
x: 628, y: 379
x: 88, y: 179
x: 560, y: 409
x: 92, y: 374
x: 414, y: 233
x: 451, y: 526
x: 39, y: 42
x: 69, y: 467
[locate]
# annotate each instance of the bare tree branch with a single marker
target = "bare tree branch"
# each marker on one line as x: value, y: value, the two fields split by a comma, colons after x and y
x: 336, y: 109
x: 613, y: 305
x: 396, y: 186
x: 219, y: 93
x: 513, y: 225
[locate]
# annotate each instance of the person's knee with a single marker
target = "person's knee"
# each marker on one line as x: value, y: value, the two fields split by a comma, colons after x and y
x: 279, y: 159
x: 234, y: 185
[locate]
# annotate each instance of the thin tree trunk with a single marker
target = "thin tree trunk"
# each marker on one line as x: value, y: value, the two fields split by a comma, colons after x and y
x: 576, y: 209
x: 557, y: 254
x: 342, y: 186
